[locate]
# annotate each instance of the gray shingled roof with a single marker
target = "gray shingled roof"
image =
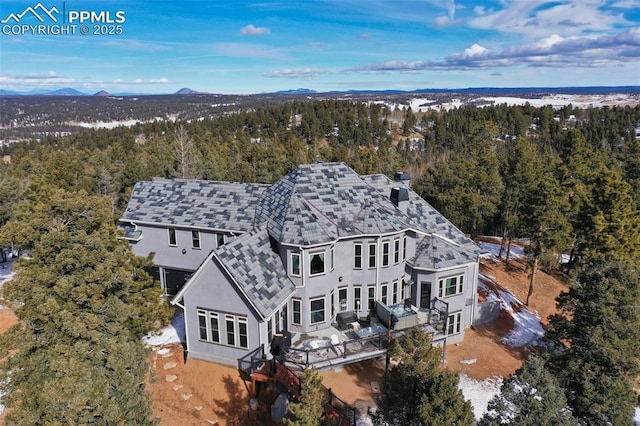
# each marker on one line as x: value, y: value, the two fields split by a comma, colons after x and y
x: 433, y: 252
x: 318, y: 203
x: 194, y: 203
x: 422, y: 216
x: 257, y: 270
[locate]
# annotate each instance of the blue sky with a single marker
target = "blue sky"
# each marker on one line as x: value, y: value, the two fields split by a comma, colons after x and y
x: 263, y: 46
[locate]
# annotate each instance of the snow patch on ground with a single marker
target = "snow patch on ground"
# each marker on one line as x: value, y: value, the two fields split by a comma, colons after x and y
x: 515, y: 252
x: 527, y: 327
x: 172, y: 334
x: 636, y: 418
x: 479, y: 392
x: 6, y: 274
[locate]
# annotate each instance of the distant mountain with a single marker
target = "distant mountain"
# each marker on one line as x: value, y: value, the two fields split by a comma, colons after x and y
x: 64, y: 92
x: 103, y: 93
x: 300, y: 91
x: 187, y: 91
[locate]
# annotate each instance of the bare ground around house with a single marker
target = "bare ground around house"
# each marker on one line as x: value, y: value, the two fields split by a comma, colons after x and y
x: 203, y: 393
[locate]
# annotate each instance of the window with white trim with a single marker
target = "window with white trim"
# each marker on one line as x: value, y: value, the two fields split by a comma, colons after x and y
x: 342, y: 299
x: 332, y: 258
x: 396, y: 251
x: 385, y: 253
x: 450, y: 286
x: 208, y: 326
x: 357, y: 298
x: 404, y: 248
x: 296, y: 311
x: 372, y: 255
x: 395, y: 292
x: 219, y: 240
x: 383, y: 291
x: 173, y: 239
x: 316, y: 263
x: 195, y: 239
x: 235, y: 329
x: 357, y: 255
x: 454, y: 323
x: 316, y: 310
x: 295, y: 264
x: 371, y: 297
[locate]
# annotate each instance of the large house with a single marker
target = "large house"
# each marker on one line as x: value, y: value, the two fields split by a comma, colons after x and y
x: 248, y: 261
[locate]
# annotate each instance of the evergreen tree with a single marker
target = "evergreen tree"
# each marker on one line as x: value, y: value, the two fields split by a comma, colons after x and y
x: 597, y: 336
x: 418, y: 391
x: 83, y: 301
x: 530, y: 397
x: 309, y: 410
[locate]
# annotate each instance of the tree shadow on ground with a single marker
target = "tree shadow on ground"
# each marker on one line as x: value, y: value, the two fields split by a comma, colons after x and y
x: 234, y: 409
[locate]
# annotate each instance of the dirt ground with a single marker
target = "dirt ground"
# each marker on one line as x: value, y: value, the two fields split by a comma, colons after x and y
x: 201, y: 393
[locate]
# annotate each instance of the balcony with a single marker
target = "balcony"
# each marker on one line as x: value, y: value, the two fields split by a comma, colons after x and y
x: 350, y: 342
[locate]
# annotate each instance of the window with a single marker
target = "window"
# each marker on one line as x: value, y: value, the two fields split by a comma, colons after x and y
x: 372, y: 255
x: 219, y: 240
x: 357, y: 298
x: 342, y: 299
x: 296, y: 311
x: 269, y: 329
x: 243, y: 337
x: 208, y: 325
x: 384, y: 290
x: 332, y: 256
x: 195, y: 239
x: 385, y: 253
x: 172, y: 237
x: 295, y: 264
x: 395, y: 292
x: 316, y: 261
x: 357, y: 256
x: 404, y: 248
x: 231, y: 330
x: 371, y: 297
x: 396, y: 251
x: 317, y: 310
x: 454, y: 322
x: 450, y: 286
x: 202, y: 322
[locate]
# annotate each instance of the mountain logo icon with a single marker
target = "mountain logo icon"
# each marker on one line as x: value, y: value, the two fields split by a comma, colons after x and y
x: 43, y: 11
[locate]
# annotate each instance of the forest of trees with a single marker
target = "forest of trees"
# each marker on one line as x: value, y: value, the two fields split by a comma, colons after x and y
x: 566, y: 180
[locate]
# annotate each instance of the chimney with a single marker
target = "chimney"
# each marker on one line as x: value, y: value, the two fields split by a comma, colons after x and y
x: 400, y: 197
x: 403, y: 178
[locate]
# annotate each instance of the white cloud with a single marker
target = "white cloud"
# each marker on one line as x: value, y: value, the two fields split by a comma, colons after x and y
x: 537, y: 18
x: 304, y: 73
x: 252, y: 30
x: 551, y: 51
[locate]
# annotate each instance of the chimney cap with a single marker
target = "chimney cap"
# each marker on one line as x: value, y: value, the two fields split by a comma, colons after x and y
x: 401, y: 176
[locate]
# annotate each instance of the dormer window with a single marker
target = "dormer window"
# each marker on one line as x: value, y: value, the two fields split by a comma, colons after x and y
x: 316, y: 262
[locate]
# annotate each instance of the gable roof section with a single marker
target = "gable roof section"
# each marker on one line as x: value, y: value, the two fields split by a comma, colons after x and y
x: 422, y: 216
x: 321, y: 202
x: 194, y: 203
x: 256, y: 270
x: 434, y: 252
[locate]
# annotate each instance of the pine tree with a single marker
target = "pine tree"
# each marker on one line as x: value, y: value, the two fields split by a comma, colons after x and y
x: 309, y: 410
x: 530, y: 397
x: 84, y: 301
x: 597, y: 336
x: 418, y: 391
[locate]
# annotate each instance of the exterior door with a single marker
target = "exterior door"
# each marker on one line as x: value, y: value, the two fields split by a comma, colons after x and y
x: 425, y: 294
